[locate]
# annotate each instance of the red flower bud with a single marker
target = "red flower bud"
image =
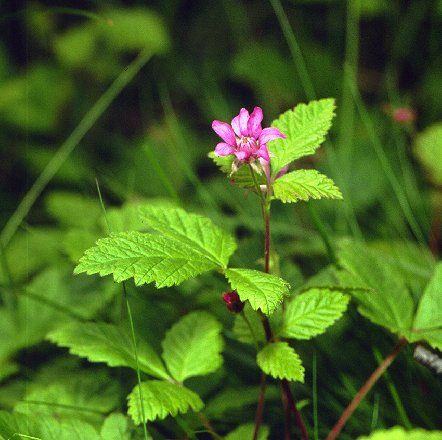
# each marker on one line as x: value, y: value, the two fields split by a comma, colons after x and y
x: 233, y: 302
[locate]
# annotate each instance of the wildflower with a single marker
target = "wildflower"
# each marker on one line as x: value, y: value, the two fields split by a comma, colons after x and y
x: 233, y: 303
x: 245, y: 138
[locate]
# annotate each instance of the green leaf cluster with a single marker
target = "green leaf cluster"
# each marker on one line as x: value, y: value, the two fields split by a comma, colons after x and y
x: 191, y: 347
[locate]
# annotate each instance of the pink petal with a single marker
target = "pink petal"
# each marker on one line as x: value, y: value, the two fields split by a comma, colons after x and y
x: 269, y: 134
x: 223, y: 149
x: 235, y: 126
x: 224, y: 131
x: 263, y: 153
x: 254, y: 124
x: 241, y: 155
x: 243, y: 120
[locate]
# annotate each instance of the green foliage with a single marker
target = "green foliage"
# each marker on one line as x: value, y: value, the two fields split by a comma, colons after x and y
x: 248, y: 328
x: 312, y: 312
x: 145, y: 257
x: 161, y: 399
x: 427, y: 323
x: 100, y: 342
x: 305, y: 185
x: 192, y: 346
x: 246, y: 431
x: 305, y: 128
x: 195, y: 231
x: 262, y: 290
x: 399, y: 433
x: 428, y: 149
x: 281, y: 361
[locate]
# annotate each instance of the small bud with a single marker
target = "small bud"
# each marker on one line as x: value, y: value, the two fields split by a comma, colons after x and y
x: 233, y: 303
x: 403, y: 115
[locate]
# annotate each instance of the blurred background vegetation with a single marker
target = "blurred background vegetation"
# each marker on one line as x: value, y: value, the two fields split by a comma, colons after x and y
x: 149, y: 136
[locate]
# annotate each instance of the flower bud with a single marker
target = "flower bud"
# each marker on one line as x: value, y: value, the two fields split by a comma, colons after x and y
x: 233, y: 303
x: 403, y: 115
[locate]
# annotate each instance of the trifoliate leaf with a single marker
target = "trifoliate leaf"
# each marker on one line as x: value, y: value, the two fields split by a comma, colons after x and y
x: 388, y: 302
x: 161, y: 399
x: 428, y: 319
x: 280, y: 361
x: 305, y: 185
x: 264, y: 291
x: 100, y: 342
x: 193, y: 345
x: 145, y: 257
x: 193, y: 230
x: 305, y: 128
x: 399, y: 433
x: 246, y: 431
x: 312, y: 312
x: 428, y: 149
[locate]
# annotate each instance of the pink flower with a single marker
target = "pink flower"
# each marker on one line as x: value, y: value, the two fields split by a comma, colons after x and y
x: 244, y: 137
x: 404, y: 115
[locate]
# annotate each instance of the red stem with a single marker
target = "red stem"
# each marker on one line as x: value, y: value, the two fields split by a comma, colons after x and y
x: 363, y: 391
x: 287, y: 415
x: 260, y: 407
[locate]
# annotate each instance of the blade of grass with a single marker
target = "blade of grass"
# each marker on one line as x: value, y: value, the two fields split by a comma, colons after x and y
x: 394, y: 394
x: 383, y: 159
x: 315, y: 397
x: 310, y: 93
x: 131, y: 322
x: 71, y: 142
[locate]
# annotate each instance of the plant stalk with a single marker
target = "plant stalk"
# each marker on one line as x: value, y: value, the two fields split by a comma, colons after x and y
x: 287, y: 394
x: 363, y: 391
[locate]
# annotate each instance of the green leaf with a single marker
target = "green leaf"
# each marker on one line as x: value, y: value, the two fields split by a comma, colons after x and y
x: 280, y: 361
x: 246, y: 432
x: 195, y: 231
x: 161, y: 399
x: 242, y: 330
x: 193, y: 345
x: 312, y: 312
x: 388, y: 302
x: 242, y: 177
x: 428, y: 319
x: 24, y: 426
x: 100, y: 342
x: 305, y: 128
x: 428, y: 149
x: 264, y: 291
x: 116, y: 427
x: 399, y: 433
x: 305, y: 185
x: 145, y: 257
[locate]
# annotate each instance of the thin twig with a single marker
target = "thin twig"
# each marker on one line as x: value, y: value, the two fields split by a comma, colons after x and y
x: 260, y: 407
x: 363, y: 391
x: 206, y: 423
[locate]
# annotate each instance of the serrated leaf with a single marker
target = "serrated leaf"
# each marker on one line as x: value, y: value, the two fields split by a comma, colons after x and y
x: 399, y: 433
x: 388, y: 302
x: 280, y: 361
x: 305, y: 185
x: 145, y: 257
x: 428, y: 319
x: 246, y: 432
x: 161, y: 399
x: 305, y: 128
x: 193, y: 230
x: 100, y: 342
x: 193, y: 345
x: 312, y: 312
x: 264, y: 291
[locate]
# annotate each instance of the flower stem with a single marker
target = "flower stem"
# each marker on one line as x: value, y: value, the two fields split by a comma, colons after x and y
x: 363, y: 391
x: 288, y: 401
